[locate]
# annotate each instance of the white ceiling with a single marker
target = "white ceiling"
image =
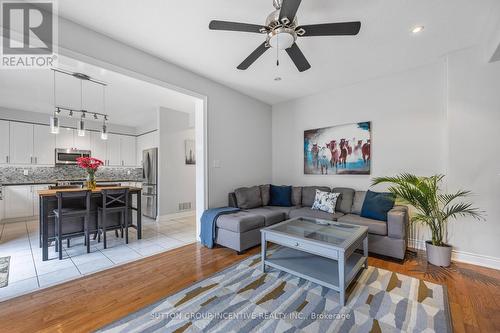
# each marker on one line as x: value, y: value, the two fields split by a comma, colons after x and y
x: 128, y: 101
x: 177, y: 31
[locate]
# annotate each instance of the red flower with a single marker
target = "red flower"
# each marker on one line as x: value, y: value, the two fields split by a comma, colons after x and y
x: 89, y: 163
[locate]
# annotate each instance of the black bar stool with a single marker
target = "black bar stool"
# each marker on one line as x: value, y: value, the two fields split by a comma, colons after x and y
x: 114, y: 202
x: 72, y: 217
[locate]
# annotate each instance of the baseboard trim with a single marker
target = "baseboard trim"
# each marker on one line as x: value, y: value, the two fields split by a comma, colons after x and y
x: 188, y: 213
x: 462, y: 256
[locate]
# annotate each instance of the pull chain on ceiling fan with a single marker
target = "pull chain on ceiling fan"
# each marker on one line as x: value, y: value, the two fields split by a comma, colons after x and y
x: 282, y: 30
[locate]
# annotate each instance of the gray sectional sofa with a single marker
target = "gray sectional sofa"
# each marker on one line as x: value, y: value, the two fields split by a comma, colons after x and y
x: 241, y: 230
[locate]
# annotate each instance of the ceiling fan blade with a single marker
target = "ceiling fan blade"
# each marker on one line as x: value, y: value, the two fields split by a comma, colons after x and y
x: 289, y: 9
x: 298, y: 58
x: 235, y: 26
x: 331, y: 29
x: 253, y: 56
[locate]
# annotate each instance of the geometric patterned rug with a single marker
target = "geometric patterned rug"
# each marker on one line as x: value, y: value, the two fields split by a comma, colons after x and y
x: 243, y: 299
x: 4, y: 271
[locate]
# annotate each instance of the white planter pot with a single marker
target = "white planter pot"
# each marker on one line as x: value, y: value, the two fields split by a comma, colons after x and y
x: 438, y: 255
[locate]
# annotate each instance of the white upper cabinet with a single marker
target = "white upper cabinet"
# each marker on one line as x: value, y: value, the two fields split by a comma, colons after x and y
x: 44, y: 145
x: 4, y: 142
x: 98, y: 146
x: 82, y: 142
x: 64, y: 139
x: 113, y: 154
x: 127, y: 148
x: 21, y: 143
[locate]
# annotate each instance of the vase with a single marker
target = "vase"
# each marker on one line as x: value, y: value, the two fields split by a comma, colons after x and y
x: 438, y: 255
x: 90, y: 183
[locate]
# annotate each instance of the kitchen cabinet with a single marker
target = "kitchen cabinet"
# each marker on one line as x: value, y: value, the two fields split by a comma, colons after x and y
x: 98, y: 146
x: 36, y: 199
x: 113, y: 153
x: 18, y: 201
x: 145, y: 141
x: 82, y: 142
x: 4, y: 142
x: 21, y: 143
x: 127, y: 150
x: 65, y: 138
x: 44, y: 145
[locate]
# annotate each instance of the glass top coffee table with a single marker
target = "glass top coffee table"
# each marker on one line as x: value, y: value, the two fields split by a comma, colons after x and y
x: 317, y: 250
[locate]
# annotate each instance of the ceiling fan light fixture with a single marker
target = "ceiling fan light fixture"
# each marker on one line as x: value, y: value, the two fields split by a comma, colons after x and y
x: 282, y: 39
x: 417, y: 29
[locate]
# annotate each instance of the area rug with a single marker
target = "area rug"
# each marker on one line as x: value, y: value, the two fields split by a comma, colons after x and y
x: 4, y: 271
x: 243, y: 299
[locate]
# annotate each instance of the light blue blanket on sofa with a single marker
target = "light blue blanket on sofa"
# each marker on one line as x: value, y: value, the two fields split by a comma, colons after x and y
x: 208, y: 220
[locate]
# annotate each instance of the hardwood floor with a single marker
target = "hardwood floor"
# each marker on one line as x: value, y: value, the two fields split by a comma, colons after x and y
x: 90, y: 302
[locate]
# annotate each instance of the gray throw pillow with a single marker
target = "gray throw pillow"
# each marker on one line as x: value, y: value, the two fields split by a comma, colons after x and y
x: 265, y: 194
x: 309, y: 193
x: 248, y: 197
x: 344, y: 202
x: 296, y: 195
x: 357, y: 205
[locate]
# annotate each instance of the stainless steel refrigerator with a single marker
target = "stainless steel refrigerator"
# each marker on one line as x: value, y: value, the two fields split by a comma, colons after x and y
x: 150, y: 182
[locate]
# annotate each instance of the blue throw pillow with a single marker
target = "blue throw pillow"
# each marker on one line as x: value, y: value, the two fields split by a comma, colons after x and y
x: 281, y: 196
x: 376, y: 205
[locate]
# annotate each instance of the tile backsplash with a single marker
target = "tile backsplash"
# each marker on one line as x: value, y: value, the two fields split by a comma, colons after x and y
x: 13, y: 175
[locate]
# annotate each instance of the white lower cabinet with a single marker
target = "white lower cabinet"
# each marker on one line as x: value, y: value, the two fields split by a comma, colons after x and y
x: 18, y: 201
x: 21, y: 201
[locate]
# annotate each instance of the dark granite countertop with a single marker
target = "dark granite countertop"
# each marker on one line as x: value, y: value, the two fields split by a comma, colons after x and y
x: 53, y: 182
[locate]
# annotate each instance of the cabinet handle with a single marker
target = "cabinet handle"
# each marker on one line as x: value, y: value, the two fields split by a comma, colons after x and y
x: 31, y: 159
x: 7, y: 159
x: 36, y: 160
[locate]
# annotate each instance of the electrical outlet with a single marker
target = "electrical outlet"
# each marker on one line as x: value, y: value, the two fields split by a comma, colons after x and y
x: 128, y: 172
x: 25, y: 172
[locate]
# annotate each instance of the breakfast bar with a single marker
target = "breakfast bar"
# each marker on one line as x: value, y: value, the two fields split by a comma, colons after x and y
x: 49, y: 202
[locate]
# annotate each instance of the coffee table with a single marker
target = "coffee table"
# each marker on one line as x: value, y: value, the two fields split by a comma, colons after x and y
x: 317, y: 250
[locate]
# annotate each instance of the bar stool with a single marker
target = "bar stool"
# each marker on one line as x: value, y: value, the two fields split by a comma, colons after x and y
x: 113, y: 202
x: 72, y: 217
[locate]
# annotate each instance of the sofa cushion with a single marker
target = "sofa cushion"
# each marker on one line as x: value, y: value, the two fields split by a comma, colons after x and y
x: 374, y: 226
x: 285, y: 210
x: 357, y: 203
x: 240, y: 221
x: 377, y: 205
x: 315, y: 214
x: 344, y: 202
x: 271, y: 216
x: 296, y: 195
x: 281, y: 196
x: 248, y: 197
x: 325, y: 201
x: 309, y: 193
x: 265, y: 194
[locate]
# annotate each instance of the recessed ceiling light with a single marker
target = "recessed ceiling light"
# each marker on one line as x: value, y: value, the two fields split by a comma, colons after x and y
x: 277, y: 78
x: 417, y: 29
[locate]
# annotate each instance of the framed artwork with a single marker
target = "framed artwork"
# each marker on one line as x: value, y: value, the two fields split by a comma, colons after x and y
x: 190, y: 154
x: 338, y: 150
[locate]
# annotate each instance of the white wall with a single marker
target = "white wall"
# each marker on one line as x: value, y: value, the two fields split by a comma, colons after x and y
x: 177, y: 180
x: 441, y: 118
x: 474, y: 155
x: 406, y: 111
x: 239, y: 127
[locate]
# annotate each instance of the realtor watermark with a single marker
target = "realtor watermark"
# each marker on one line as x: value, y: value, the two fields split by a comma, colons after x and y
x: 29, y: 34
x: 248, y: 316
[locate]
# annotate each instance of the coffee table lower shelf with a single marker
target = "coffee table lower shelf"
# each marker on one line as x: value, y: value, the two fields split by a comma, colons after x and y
x: 317, y: 269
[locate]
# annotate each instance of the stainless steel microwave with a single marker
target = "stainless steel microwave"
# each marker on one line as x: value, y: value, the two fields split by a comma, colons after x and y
x: 69, y: 156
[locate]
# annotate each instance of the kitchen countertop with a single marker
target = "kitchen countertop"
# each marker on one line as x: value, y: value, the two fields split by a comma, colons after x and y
x: 53, y: 182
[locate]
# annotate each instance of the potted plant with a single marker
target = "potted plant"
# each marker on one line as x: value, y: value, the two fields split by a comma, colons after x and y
x: 90, y: 165
x: 433, y: 208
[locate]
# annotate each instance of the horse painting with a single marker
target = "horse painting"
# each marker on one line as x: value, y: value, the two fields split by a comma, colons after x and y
x: 343, y: 149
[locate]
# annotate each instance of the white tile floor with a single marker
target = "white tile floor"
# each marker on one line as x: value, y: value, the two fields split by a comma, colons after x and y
x: 28, y: 272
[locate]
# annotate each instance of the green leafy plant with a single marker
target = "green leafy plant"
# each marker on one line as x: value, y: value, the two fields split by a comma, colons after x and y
x: 433, y: 208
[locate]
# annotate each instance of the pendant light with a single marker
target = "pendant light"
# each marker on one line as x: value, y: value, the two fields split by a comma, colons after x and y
x: 104, y: 130
x: 54, y: 120
x: 81, y: 123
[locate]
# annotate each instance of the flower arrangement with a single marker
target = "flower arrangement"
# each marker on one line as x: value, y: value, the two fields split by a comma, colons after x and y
x: 90, y: 165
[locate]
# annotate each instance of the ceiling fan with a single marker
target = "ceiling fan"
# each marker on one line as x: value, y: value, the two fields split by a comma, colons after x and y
x: 282, y: 30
